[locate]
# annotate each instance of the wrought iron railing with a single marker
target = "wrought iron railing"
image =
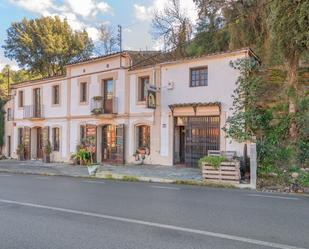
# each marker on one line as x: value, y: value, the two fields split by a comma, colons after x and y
x: 33, y: 111
x: 104, y: 105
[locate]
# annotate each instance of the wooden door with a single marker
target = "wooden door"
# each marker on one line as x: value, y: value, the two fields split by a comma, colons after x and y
x: 37, y: 103
x: 39, y: 143
x: 9, y: 146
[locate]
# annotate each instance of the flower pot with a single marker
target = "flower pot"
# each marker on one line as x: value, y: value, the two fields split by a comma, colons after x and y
x: 46, y: 158
x: 21, y: 157
x: 92, y: 169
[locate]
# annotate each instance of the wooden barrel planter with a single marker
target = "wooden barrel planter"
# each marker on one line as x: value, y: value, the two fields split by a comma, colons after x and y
x: 227, y: 172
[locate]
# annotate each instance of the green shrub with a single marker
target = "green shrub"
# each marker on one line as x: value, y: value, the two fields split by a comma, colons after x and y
x: 304, y: 179
x: 214, y: 161
x: 130, y: 179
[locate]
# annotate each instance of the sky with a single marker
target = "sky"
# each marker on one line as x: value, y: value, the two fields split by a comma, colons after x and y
x: 133, y: 15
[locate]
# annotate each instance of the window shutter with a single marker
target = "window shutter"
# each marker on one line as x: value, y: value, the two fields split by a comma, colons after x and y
x: 120, y: 143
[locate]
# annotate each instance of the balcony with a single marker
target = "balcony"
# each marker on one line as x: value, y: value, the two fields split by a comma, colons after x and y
x: 104, y: 105
x: 33, y: 112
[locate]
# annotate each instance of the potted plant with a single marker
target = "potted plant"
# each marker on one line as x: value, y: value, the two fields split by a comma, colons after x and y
x: 97, y: 98
x: 47, y: 151
x: 140, y: 154
x: 97, y: 111
x: 20, y: 152
x: 81, y: 156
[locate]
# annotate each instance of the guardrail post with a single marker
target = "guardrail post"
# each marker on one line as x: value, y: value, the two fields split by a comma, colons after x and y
x: 253, y: 165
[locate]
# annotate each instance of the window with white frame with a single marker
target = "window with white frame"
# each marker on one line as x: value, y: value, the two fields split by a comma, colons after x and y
x: 143, y: 84
x: 56, y: 95
x: 198, y: 76
x: 83, y: 92
x: 21, y: 98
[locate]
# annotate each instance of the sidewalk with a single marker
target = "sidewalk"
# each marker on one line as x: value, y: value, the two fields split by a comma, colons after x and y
x: 153, y: 173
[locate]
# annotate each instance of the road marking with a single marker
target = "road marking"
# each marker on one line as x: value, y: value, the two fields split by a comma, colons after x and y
x: 162, y: 187
x: 5, y: 175
x: 93, y: 182
x: 43, y: 178
x: 157, y: 225
x: 273, y: 196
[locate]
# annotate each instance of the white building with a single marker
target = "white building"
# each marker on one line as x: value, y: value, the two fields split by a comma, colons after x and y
x: 106, y: 97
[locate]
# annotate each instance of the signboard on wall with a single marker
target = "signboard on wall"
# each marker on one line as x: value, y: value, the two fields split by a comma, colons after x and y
x: 151, y: 99
x: 91, y: 130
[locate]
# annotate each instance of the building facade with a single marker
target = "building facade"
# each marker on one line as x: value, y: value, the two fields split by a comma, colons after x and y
x: 173, y: 110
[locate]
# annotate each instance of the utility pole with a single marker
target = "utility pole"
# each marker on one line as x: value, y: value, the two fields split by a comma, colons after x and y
x: 119, y: 36
x: 8, y: 82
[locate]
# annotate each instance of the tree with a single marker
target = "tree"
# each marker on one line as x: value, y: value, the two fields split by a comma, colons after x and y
x: 44, y: 45
x: 289, y: 22
x: 211, y: 36
x: 173, y: 27
x: 9, y: 76
x: 107, y: 40
x: 231, y: 24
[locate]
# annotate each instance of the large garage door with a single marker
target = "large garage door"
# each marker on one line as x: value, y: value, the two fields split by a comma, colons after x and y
x: 201, y: 134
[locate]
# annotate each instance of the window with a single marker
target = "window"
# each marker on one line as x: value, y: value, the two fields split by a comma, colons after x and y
x: 56, y: 95
x: 56, y: 139
x: 199, y: 77
x: 143, y: 136
x: 83, y: 92
x: 21, y: 99
x: 82, y: 134
x: 20, y: 135
x: 9, y: 114
x: 142, y: 88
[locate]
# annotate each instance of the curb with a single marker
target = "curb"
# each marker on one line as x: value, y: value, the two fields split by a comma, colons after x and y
x: 128, y: 178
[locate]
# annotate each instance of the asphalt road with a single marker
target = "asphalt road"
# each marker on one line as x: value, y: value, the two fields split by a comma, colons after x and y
x: 62, y: 212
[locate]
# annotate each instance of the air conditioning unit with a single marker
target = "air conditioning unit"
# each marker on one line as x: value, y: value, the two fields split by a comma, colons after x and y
x: 170, y: 85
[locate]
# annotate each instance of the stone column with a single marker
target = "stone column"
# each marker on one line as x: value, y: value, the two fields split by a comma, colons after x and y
x: 253, y: 165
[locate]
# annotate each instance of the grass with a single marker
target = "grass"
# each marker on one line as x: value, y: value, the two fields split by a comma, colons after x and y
x: 109, y: 177
x: 205, y: 183
x: 130, y: 179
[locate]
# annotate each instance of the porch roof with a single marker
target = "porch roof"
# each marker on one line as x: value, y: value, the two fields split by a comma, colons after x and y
x: 197, y: 108
x: 195, y: 104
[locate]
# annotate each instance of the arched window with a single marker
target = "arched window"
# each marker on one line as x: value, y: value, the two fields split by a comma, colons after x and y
x: 143, y: 136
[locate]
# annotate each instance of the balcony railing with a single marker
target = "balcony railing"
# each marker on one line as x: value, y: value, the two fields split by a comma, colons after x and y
x: 33, y: 111
x: 101, y: 105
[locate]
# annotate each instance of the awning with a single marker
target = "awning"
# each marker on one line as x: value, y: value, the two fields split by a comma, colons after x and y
x: 196, y: 109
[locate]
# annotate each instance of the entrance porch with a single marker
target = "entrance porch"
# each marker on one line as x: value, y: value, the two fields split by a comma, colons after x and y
x: 196, y: 131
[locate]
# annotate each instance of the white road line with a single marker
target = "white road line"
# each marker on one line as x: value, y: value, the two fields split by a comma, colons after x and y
x: 162, y: 187
x: 4, y: 175
x: 43, y: 178
x: 273, y: 196
x: 93, y: 182
x: 157, y: 225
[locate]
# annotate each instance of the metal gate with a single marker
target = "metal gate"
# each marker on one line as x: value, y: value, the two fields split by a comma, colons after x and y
x: 201, y: 134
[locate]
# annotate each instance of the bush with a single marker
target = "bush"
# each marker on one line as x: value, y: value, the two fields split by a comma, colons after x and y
x: 214, y: 161
x: 304, y: 179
